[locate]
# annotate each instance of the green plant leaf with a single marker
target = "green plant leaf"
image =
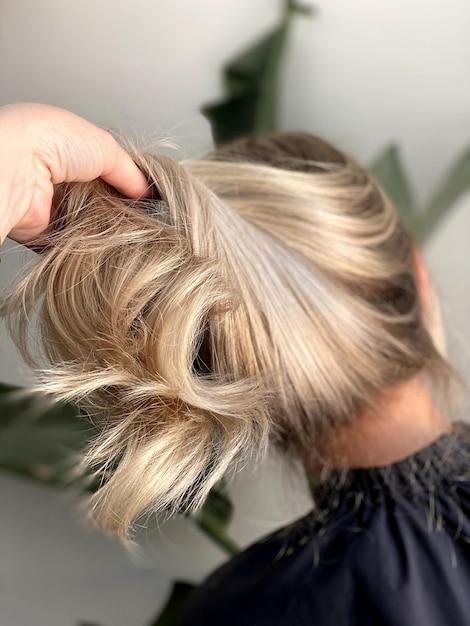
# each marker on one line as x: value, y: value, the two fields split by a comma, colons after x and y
x: 214, y: 517
x: 443, y: 201
x: 172, y: 609
x: 38, y: 437
x: 251, y: 83
x: 388, y: 169
x: 218, y: 505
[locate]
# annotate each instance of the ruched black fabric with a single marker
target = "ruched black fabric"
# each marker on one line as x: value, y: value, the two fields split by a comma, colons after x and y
x: 384, y: 547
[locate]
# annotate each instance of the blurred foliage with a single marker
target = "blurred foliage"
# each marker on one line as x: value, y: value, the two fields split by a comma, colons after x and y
x: 251, y: 82
x: 422, y: 221
x: 389, y: 170
x: 214, y: 518
x: 39, y: 437
x: 179, y: 594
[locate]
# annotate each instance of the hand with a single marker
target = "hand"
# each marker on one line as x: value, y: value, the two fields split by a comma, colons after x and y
x: 41, y: 146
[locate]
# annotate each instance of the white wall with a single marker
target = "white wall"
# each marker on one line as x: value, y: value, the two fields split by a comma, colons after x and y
x: 362, y: 74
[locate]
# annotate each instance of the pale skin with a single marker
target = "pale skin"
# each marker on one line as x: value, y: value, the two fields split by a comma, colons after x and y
x: 404, y: 420
x: 41, y: 146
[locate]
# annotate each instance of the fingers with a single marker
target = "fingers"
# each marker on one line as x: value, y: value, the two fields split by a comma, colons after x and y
x: 41, y: 146
x: 122, y: 173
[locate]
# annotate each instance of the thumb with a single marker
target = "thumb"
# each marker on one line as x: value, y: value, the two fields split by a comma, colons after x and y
x: 120, y: 171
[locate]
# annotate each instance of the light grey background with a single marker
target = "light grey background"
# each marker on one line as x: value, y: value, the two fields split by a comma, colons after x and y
x: 362, y: 74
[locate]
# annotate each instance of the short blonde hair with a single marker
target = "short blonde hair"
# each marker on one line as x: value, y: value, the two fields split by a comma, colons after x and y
x: 267, y: 293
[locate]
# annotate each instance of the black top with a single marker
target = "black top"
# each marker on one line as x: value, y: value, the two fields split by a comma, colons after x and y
x: 384, y: 547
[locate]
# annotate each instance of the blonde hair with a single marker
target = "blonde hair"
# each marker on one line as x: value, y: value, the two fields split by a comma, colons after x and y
x: 267, y: 292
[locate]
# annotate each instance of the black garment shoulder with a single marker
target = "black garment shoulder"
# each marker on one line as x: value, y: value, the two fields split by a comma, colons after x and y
x: 386, y: 546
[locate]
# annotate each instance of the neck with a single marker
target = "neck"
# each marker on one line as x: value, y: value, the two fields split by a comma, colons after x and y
x: 403, y: 421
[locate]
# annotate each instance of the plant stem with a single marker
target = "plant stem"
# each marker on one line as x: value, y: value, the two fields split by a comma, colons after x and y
x: 218, y: 536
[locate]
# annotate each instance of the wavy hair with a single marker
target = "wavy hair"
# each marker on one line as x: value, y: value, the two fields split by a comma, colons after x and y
x: 267, y: 292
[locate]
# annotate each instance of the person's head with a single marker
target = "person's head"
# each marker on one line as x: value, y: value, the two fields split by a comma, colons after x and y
x: 269, y: 293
